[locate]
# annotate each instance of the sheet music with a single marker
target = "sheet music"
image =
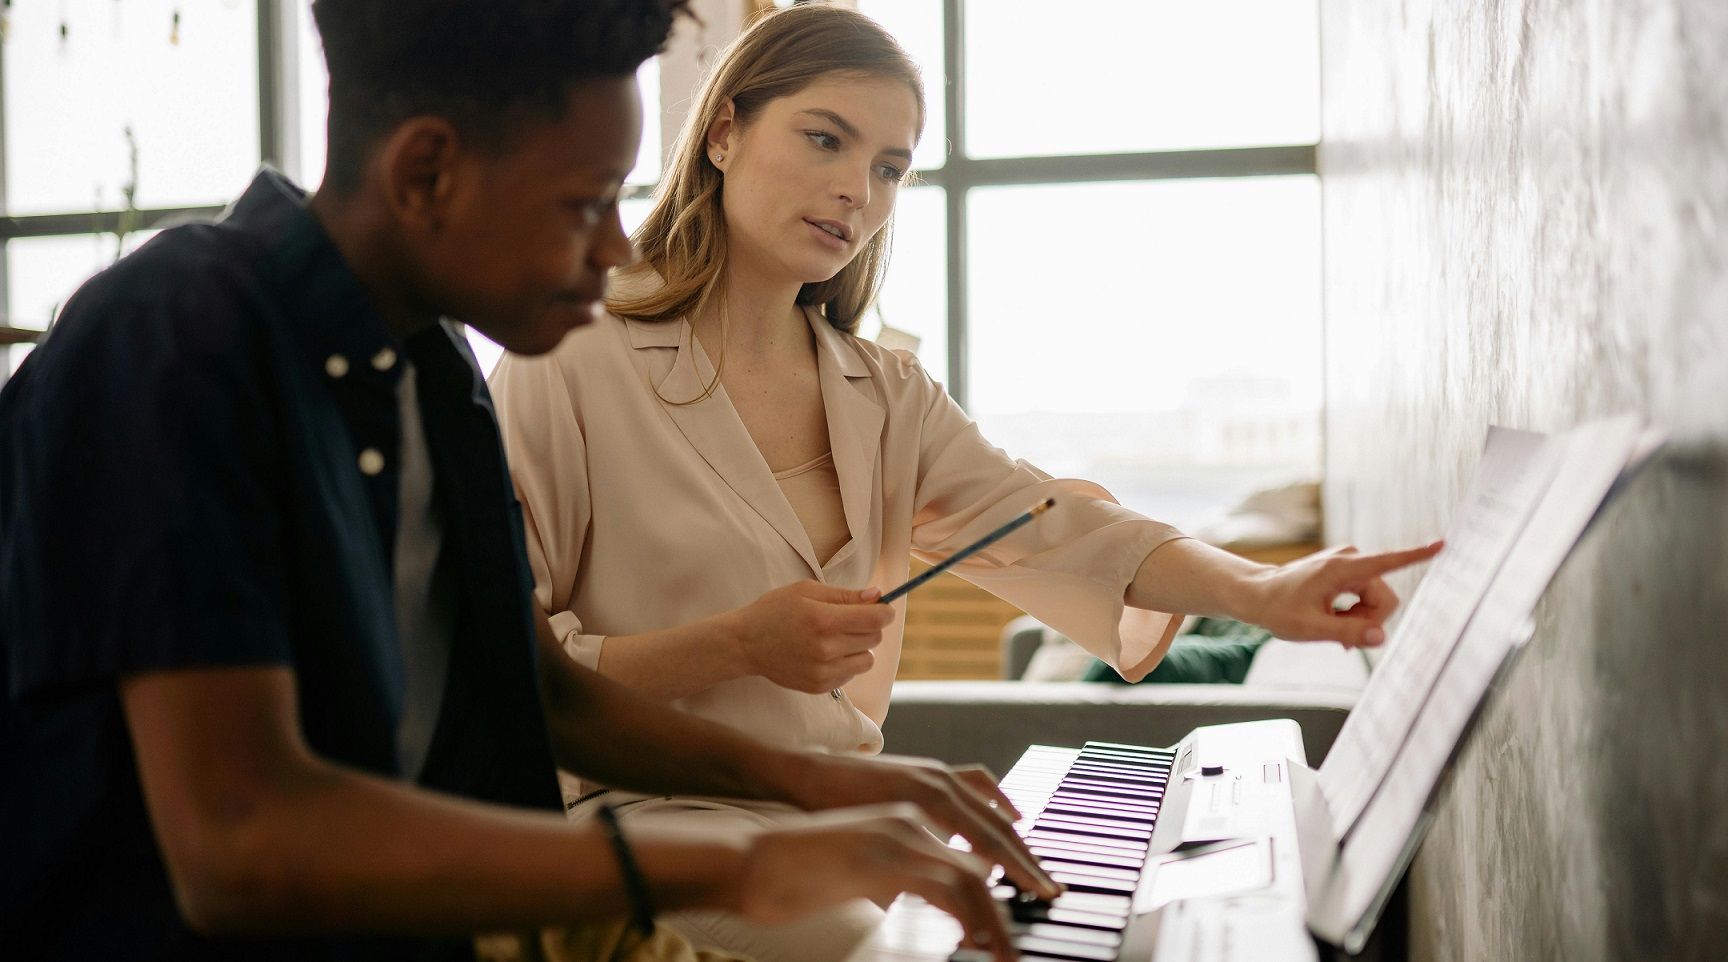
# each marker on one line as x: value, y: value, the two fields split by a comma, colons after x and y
x: 1589, y: 460
x: 1517, y: 468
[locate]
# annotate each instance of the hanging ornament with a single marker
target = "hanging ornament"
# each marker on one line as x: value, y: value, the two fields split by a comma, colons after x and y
x: 174, y: 30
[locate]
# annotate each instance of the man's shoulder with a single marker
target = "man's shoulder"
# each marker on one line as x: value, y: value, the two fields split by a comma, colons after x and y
x: 194, y: 291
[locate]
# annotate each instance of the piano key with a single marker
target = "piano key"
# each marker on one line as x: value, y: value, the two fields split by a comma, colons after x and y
x: 1076, y: 918
x: 1111, y: 808
x: 1126, y: 847
x: 1066, y: 933
x: 1085, y: 826
x: 1088, y: 883
x: 1128, y: 750
x: 1109, y: 815
x: 1102, y: 903
x: 1087, y: 857
x: 1095, y: 769
x: 1033, y: 946
x: 1099, y: 872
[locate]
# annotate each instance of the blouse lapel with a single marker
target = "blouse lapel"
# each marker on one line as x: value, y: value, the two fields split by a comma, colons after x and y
x: 855, y: 421
x: 714, y: 429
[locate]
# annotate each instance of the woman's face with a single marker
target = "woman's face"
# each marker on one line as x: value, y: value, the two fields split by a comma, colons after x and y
x: 814, y: 175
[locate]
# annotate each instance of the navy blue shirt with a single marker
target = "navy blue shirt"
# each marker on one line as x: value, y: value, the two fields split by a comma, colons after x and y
x: 198, y: 467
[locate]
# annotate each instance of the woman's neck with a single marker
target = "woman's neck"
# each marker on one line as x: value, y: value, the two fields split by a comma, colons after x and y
x: 762, y: 316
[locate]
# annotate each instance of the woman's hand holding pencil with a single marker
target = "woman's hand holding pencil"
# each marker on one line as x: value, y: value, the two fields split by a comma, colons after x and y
x: 808, y: 636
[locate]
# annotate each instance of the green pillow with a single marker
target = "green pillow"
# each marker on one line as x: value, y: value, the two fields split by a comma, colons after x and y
x: 1217, y: 652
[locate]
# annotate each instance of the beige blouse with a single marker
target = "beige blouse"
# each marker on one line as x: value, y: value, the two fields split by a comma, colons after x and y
x: 641, y: 515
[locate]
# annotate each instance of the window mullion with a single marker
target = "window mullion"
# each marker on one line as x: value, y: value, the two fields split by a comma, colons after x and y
x: 955, y: 188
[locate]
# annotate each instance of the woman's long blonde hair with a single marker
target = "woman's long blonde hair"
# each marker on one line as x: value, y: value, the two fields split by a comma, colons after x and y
x: 684, y: 238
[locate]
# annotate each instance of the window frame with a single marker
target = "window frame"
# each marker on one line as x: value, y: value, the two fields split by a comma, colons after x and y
x: 278, y: 146
x: 961, y: 173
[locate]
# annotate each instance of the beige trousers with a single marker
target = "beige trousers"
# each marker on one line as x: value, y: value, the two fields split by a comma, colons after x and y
x: 616, y: 941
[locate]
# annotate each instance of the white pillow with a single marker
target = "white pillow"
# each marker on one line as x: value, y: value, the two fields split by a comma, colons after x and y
x: 1057, y: 659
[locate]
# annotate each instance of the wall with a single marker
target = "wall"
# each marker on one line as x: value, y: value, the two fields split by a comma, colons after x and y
x: 1526, y: 222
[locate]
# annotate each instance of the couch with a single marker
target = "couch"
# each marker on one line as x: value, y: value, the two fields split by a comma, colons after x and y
x: 994, y: 721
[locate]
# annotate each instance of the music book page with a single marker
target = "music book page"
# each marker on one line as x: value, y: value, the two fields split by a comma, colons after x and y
x: 1517, y: 468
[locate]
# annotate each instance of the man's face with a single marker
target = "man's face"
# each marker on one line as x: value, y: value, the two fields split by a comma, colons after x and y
x: 526, y: 236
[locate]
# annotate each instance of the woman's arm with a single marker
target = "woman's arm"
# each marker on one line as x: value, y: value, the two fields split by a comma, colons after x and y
x: 806, y: 636
x: 1294, y: 601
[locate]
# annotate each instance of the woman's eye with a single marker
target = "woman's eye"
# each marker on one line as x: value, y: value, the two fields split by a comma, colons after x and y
x: 892, y: 173
x: 823, y: 139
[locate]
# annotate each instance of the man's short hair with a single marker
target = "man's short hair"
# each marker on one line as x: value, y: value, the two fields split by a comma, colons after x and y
x: 487, y: 66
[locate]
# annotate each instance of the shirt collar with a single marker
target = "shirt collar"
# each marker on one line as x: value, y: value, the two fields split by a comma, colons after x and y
x: 338, y: 325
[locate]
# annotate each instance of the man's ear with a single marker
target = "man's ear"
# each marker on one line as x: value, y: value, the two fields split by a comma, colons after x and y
x: 419, y: 168
x: 721, y: 134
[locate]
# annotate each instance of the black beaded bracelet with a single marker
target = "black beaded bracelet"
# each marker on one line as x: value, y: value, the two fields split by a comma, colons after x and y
x: 641, y: 905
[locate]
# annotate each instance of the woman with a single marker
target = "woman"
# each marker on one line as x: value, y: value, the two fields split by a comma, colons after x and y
x: 713, y: 471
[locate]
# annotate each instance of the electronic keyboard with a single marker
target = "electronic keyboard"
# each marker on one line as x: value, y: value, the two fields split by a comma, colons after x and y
x: 1186, y: 852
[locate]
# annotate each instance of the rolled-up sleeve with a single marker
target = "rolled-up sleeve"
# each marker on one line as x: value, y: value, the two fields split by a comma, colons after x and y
x: 1070, y: 569
x: 549, y: 464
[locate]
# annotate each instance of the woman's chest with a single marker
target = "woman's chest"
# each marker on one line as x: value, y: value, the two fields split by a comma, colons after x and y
x: 783, y: 414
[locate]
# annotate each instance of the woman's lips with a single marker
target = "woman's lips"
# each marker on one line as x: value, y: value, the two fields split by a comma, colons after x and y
x: 822, y: 236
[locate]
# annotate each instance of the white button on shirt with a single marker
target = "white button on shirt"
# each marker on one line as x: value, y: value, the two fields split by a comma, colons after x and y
x: 336, y: 365
x: 371, y: 462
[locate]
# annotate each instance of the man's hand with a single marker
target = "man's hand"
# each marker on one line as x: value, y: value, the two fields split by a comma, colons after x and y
x: 810, y: 637
x: 961, y: 801
x: 874, y: 853
x: 1297, y: 601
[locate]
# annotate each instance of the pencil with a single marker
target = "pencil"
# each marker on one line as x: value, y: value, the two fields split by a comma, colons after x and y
x: 971, y: 549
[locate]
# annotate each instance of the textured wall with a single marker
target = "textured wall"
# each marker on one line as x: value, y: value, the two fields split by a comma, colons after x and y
x: 1526, y: 222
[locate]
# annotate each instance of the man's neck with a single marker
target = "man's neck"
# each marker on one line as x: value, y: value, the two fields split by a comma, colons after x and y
x: 363, y: 236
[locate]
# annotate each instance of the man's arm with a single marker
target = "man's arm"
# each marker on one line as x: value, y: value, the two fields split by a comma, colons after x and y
x: 261, y: 836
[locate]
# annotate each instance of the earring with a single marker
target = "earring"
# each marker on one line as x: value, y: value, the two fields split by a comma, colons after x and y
x: 718, y: 157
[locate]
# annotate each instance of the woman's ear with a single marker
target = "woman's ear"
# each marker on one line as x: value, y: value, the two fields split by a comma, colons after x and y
x: 721, y: 134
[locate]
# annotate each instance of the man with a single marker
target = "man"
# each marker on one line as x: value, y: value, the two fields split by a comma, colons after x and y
x: 269, y: 675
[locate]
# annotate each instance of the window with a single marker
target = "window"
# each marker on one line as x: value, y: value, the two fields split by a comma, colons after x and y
x: 1109, y: 254
x: 123, y: 117
x: 92, y: 155
x: 1122, y: 200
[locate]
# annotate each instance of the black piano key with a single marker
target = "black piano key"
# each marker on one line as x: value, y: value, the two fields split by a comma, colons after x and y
x: 1100, y: 873
x: 1076, y: 918
x: 1119, y: 771
x: 1091, y: 826
x: 1093, y: 857
x: 1079, y: 821
x: 1109, y: 782
x: 1113, y: 808
x: 1128, y: 793
x: 1125, y: 847
x: 1118, y: 777
x: 1100, y: 812
x: 1138, y: 750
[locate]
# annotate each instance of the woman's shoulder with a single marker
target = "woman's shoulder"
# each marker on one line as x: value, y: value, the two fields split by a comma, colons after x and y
x: 900, y: 375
